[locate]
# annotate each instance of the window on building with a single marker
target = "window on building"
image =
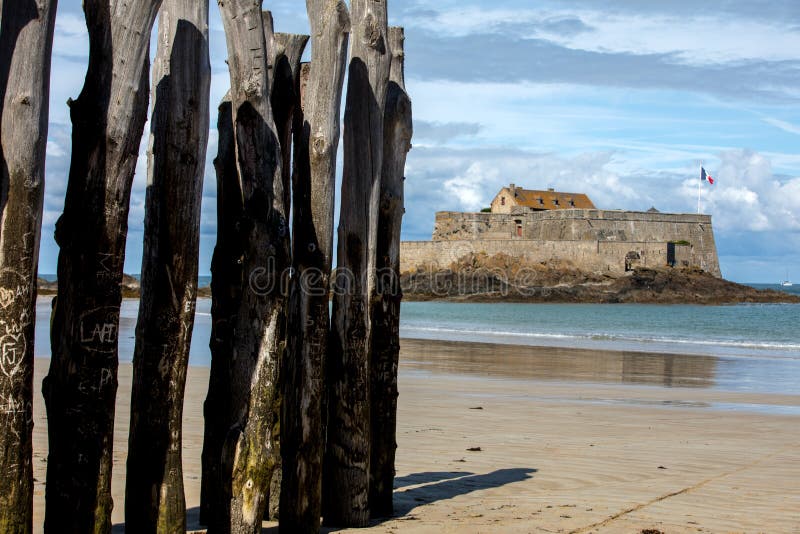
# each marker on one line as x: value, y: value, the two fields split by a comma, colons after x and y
x: 502, y: 201
x: 555, y: 201
x: 572, y: 203
x: 541, y: 201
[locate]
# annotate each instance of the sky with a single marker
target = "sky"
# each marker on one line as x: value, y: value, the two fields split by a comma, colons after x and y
x: 623, y: 100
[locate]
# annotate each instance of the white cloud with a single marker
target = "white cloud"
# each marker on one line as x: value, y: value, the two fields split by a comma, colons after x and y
x: 446, y: 179
x: 694, y: 40
x: 783, y: 125
x: 747, y: 196
x: 71, y: 38
x: 54, y: 150
x: 470, y: 189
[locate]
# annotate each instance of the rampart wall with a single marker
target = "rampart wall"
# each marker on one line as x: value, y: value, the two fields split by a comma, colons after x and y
x: 592, y: 240
x: 573, y: 225
x: 595, y: 256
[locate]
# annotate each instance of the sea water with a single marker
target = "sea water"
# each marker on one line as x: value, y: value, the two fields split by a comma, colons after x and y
x: 757, y: 345
x: 764, y: 330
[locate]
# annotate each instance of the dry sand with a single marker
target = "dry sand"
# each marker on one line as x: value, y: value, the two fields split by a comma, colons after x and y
x: 570, y: 441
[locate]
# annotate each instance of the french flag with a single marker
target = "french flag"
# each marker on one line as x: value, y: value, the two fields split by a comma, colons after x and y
x: 704, y: 176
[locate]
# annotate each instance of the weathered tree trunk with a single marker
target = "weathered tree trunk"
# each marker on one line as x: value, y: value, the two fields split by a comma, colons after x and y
x: 26, y: 42
x: 226, y: 289
x: 346, y: 478
x: 397, y: 131
x: 259, y: 325
x: 286, y: 51
x: 316, y: 135
x: 154, y: 498
x: 108, y: 118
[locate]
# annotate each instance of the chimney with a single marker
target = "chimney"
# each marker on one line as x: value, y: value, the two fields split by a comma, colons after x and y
x: 513, y: 188
x: 550, y: 189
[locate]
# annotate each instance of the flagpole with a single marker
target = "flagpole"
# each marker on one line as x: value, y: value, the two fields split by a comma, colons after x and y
x: 699, y: 187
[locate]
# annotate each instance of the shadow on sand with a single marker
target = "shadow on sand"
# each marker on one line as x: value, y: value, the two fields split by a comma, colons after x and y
x: 439, y: 486
x: 425, y: 488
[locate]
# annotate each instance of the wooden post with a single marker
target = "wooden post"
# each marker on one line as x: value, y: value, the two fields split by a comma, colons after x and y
x: 154, y: 498
x: 285, y: 53
x: 226, y: 283
x: 226, y: 288
x: 26, y: 42
x: 316, y: 135
x: 346, y: 478
x: 259, y: 324
x: 108, y: 119
x: 397, y: 129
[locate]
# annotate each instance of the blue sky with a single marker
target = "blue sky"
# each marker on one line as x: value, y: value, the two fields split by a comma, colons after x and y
x: 622, y: 101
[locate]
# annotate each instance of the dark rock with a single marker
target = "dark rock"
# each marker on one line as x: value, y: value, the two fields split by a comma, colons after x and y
x: 503, y: 278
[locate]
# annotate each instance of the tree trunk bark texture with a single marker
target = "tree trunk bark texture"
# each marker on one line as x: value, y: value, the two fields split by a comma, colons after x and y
x: 108, y: 119
x: 226, y: 288
x: 154, y: 498
x: 285, y: 53
x: 398, y: 129
x: 26, y: 42
x: 316, y: 135
x: 346, y: 477
x: 259, y: 325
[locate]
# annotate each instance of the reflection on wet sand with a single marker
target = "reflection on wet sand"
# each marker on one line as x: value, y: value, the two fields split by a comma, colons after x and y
x: 560, y: 364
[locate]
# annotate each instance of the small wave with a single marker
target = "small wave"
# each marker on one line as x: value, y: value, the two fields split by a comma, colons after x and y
x: 615, y: 338
x: 487, y: 332
x: 704, y: 342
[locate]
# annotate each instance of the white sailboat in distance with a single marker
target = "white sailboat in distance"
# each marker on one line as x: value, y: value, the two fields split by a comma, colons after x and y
x: 787, y: 282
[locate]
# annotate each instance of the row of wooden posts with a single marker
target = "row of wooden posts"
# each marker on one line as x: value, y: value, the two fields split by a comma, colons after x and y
x: 301, y: 409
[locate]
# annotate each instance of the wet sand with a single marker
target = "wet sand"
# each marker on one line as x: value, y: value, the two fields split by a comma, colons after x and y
x: 570, y: 441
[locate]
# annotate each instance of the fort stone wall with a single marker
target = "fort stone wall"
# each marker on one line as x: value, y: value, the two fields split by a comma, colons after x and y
x: 612, y: 257
x: 593, y: 240
x: 573, y: 225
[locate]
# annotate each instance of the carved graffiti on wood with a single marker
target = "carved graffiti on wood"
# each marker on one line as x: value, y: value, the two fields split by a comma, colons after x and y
x: 98, y: 329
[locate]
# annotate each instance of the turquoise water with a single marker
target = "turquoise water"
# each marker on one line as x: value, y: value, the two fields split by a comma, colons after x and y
x: 756, y: 347
x: 752, y: 330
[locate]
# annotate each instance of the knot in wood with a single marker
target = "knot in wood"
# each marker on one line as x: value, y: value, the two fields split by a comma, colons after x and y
x: 319, y: 145
x: 25, y: 100
x: 252, y: 85
x: 372, y: 32
x: 343, y: 16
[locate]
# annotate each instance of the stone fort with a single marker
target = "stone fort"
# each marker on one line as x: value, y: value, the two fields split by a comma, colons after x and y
x: 556, y: 228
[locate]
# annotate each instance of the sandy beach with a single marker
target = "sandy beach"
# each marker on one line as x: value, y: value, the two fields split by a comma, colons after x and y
x: 523, y: 439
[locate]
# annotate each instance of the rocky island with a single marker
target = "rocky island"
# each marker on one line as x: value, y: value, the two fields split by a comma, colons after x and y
x: 502, y: 277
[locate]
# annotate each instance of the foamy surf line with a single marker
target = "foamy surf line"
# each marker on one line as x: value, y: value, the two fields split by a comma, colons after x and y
x: 704, y: 347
